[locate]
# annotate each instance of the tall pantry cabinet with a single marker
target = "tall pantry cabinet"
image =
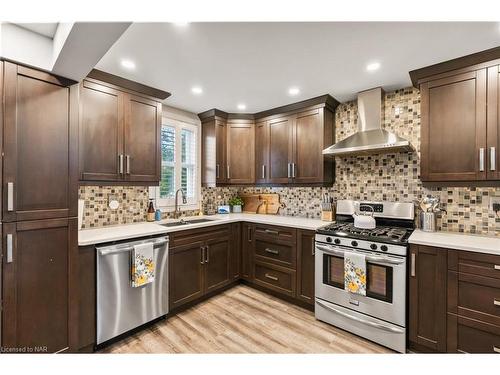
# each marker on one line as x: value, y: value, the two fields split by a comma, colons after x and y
x: 39, y: 210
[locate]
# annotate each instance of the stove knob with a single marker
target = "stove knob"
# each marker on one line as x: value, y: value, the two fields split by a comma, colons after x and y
x: 328, y: 239
x: 383, y: 248
x: 337, y: 241
x: 354, y: 243
x: 373, y: 246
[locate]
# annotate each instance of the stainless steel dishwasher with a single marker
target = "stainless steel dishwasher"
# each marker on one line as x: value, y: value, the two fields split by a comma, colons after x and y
x: 121, y: 307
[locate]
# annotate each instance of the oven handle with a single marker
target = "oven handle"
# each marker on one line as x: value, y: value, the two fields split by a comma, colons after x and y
x: 355, y: 318
x: 368, y: 257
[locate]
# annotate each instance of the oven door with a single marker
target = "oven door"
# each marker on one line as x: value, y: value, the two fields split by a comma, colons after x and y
x: 385, y: 283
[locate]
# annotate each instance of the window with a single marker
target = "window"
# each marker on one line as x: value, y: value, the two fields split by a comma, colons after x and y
x: 179, y: 164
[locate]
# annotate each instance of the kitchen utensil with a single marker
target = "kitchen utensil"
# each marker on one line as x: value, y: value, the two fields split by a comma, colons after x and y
x: 428, y: 221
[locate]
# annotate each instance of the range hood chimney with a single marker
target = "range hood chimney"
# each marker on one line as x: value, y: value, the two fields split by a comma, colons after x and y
x: 370, y: 137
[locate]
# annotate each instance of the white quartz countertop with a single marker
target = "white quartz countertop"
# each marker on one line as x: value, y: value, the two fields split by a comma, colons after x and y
x: 127, y: 231
x: 457, y: 241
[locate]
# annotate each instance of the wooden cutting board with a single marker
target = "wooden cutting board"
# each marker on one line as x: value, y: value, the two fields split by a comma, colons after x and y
x: 251, y: 203
x: 261, y: 203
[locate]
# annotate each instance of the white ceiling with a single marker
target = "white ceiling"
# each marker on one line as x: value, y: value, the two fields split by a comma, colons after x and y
x: 47, y: 29
x: 256, y: 63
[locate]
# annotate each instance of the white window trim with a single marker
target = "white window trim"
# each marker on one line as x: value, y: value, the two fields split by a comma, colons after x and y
x: 168, y: 204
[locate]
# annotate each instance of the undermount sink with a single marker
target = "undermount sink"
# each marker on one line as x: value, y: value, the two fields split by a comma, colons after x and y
x: 186, y: 222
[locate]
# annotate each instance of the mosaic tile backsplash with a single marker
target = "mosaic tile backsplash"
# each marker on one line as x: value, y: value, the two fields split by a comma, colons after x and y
x: 376, y: 177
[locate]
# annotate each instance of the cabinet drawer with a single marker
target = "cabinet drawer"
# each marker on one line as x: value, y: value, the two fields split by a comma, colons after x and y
x: 474, y: 263
x: 281, y: 254
x: 186, y: 237
x: 275, y: 277
x: 274, y: 233
x: 470, y: 336
x: 474, y: 296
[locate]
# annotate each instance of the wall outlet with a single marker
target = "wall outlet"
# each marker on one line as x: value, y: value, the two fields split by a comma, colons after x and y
x: 495, y: 204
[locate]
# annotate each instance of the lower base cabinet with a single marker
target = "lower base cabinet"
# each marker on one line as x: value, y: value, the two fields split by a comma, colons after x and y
x: 305, y: 266
x: 39, y: 300
x: 454, y: 301
x: 199, y: 263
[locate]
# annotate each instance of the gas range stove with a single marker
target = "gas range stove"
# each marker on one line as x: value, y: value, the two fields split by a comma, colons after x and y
x: 385, y: 234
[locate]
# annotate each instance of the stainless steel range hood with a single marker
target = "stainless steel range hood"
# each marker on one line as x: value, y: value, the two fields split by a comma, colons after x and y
x: 370, y: 137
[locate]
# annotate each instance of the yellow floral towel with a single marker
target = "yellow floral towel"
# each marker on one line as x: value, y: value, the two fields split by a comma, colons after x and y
x: 143, y: 266
x: 355, y: 273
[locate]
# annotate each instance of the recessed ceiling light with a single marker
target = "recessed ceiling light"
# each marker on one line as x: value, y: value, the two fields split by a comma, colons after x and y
x: 197, y: 90
x: 242, y: 106
x: 128, y: 64
x: 293, y: 91
x: 371, y: 67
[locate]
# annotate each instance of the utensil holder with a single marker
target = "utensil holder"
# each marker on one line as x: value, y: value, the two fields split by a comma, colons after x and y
x: 428, y: 221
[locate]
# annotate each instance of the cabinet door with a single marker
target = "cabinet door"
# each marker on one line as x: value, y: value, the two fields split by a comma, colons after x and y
x: 38, y: 301
x: 101, y: 133
x: 428, y: 271
x: 217, y: 263
x: 40, y: 135
x: 186, y: 273
x: 261, y: 152
x: 240, y: 155
x: 86, y: 298
x: 280, y: 150
x: 305, y: 266
x: 142, y: 139
x: 308, y: 147
x: 220, y: 152
x: 493, y: 136
x: 247, y: 242
x: 453, y: 131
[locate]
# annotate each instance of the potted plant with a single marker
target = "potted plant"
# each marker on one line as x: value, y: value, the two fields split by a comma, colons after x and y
x: 236, y: 203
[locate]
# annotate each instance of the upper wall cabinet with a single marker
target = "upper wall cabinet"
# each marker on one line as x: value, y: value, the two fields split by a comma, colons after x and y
x: 275, y: 147
x: 460, y: 119
x: 119, y: 135
x: 40, y: 140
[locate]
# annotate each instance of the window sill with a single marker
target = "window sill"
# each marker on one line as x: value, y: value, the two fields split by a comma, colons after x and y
x: 186, y: 207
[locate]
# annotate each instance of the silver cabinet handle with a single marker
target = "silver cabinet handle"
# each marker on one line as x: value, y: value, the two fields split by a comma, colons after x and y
x: 120, y: 162
x: 288, y: 170
x: 263, y: 171
x: 228, y: 175
x: 496, y: 349
x: 217, y: 174
x: 497, y: 267
x: 271, y: 277
x: 413, y: 259
x: 355, y: 318
x: 270, y: 231
x: 493, y: 159
x: 9, y: 248
x: 10, y: 196
x: 294, y: 169
x: 313, y: 251
x: 202, y: 252
x: 481, y: 159
x: 207, y: 254
x: 271, y: 251
x: 127, y: 159
x: 496, y: 302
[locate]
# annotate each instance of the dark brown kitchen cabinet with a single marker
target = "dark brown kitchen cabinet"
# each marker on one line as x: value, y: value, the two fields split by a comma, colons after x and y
x: 236, y: 251
x: 493, y: 125
x: 185, y: 273
x: 280, y: 150
x: 86, y: 288
x: 213, y: 151
x: 305, y: 266
x: 39, y: 299
x: 240, y: 154
x: 142, y: 134
x: 199, y: 263
x: 453, y: 131
x: 40, y: 145
x: 119, y: 135
x: 427, y: 298
x: 261, y: 152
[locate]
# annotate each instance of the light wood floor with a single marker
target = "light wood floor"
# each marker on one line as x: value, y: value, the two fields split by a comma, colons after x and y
x: 244, y: 320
